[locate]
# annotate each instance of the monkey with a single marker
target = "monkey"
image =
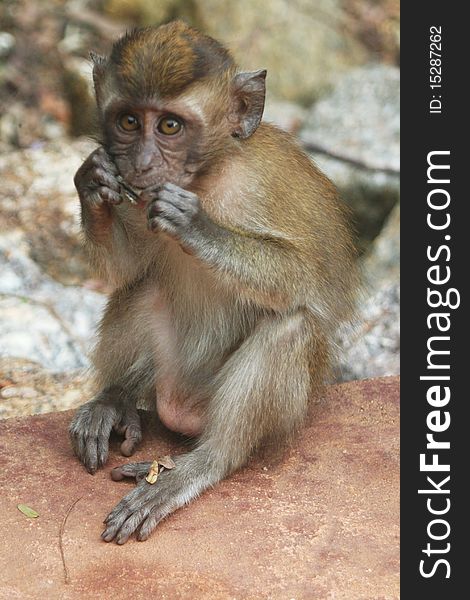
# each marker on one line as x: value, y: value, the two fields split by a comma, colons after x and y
x: 231, y: 260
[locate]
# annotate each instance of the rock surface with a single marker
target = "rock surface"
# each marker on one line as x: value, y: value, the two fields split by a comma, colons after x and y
x: 360, y: 119
x: 382, y: 261
x: 27, y: 388
x: 372, y: 347
x: 41, y: 319
x: 360, y: 123
x: 318, y: 520
x: 38, y: 199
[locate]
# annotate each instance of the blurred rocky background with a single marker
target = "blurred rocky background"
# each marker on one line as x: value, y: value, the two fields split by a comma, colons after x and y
x: 333, y: 80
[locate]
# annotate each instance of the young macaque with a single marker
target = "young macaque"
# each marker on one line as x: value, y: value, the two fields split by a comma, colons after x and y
x: 231, y: 261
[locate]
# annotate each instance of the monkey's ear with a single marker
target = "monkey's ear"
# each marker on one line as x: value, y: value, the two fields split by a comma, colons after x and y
x: 248, y: 93
x: 99, y: 68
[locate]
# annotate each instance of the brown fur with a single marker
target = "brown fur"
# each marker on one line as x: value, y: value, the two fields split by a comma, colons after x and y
x: 163, y: 62
x: 228, y: 319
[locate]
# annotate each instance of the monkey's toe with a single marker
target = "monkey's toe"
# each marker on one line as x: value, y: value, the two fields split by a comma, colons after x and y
x: 129, y: 426
x: 137, y: 470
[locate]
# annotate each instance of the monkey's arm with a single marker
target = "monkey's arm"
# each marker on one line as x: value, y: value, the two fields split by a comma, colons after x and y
x: 111, y: 248
x: 263, y: 263
x: 125, y: 374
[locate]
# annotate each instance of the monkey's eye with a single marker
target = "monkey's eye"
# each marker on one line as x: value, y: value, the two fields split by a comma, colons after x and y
x: 169, y: 125
x: 128, y: 122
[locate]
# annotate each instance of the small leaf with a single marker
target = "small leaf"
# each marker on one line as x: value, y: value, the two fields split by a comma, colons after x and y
x: 27, y: 511
x: 167, y: 462
x: 153, y: 473
x: 152, y: 477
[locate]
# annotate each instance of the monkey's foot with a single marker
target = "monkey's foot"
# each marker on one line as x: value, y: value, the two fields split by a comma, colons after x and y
x: 92, y: 425
x: 146, y: 505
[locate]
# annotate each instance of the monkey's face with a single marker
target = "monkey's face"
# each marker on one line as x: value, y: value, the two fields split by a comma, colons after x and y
x: 153, y: 142
x: 171, y: 102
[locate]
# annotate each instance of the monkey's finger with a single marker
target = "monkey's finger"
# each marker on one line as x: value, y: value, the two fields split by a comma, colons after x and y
x: 102, y: 178
x: 132, y: 432
x: 85, y: 169
x: 126, y: 521
x: 151, y: 522
x: 90, y: 455
x: 183, y: 202
x: 176, y: 190
x: 150, y: 193
x: 167, y: 210
x: 164, y: 206
x: 96, y: 447
x: 121, y: 508
x: 95, y: 453
x: 102, y: 448
x: 100, y: 158
x: 113, y: 526
x: 133, y: 501
x: 163, y: 224
x: 93, y: 198
x: 128, y: 446
x: 119, y: 515
x: 109, y: 195
x: 78, y: 444
x: 136, y: 470
x: 131, y: 525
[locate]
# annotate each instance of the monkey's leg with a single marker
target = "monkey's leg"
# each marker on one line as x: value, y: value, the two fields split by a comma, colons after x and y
x: 262, y: 390
x: 125, y: 372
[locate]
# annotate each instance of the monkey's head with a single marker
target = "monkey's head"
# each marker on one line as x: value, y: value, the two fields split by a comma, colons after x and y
x: 171, y: 102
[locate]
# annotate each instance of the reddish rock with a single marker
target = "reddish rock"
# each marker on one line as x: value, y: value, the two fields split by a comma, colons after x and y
x: 318, y: 520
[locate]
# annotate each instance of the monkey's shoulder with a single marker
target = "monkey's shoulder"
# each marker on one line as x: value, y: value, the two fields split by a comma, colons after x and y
x: 279, y: 153
x: 269, y: 181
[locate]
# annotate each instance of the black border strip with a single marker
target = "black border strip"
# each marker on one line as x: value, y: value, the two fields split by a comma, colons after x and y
x: 422, y: 133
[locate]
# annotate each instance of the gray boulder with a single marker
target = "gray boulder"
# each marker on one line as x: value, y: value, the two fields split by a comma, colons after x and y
x: 371, y: 347
x: 40, y: 319
x: 353, y: 135
x: 46, y: 315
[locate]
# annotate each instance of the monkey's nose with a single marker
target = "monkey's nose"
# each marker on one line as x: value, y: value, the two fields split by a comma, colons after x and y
x: 146, y: 160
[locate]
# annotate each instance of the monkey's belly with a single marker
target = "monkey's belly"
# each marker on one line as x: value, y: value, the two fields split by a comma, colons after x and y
x: 179, y: 415
x: 177, y: 412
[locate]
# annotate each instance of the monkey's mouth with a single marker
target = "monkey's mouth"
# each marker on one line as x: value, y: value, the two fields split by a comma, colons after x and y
x: 132, y: 194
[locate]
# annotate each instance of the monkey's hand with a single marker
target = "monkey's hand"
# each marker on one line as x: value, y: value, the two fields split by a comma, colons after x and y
x: 178, y: 213
x: 92, y: 425
x: 98, y: 190
x: 146, y: 505
x: 96, y: 180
